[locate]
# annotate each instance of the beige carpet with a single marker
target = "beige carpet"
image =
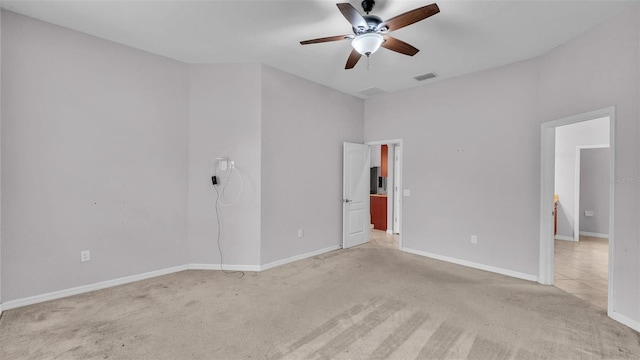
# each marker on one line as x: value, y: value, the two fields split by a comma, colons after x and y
x: 362, y: 303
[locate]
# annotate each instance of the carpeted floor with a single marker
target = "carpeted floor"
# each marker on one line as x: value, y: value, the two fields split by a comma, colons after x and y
x: 367, y: 302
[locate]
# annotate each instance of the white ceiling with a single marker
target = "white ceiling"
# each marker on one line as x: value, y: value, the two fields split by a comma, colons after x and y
x: 465, y: 37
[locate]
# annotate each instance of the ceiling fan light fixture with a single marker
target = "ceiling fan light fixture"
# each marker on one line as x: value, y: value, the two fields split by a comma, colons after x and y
x: 367, y: 44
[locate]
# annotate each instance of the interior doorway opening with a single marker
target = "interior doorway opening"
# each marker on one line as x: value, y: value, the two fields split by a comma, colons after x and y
x: 561, y: 183
x: 385, y: 193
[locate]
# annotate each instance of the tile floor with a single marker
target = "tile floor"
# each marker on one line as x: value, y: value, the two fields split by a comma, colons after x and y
x: 381, y: 238
x: 582, y: 268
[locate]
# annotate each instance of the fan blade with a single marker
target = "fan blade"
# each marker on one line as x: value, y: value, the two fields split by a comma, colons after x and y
x: 326, y: 39
x: 411, y: 17
x: 352, y: 15
x: 400, y: 46
x: 352, y: 60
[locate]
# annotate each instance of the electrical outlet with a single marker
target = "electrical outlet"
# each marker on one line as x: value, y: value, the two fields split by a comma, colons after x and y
x: 85, y: 256
x: 300, y: 233
x: 474, y: 239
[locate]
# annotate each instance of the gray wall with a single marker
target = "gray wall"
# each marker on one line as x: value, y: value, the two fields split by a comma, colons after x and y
x: 94, y: 157
x: 303, y: 128
x: 96, y: 140
x: 472, y: 151
x: 594, y: 190
x: 225, y: 121
x: 568, y: 137
x: 469, y: 159
x: 599, y: 69
x: 107, y: 148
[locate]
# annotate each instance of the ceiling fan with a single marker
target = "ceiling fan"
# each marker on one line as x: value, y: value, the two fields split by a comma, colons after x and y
x: 370, y: 32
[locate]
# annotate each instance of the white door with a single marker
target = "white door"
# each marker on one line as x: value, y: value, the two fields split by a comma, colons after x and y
x: 355, y: 195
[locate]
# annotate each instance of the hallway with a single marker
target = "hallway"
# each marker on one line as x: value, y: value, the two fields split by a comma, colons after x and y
x: 582, y: 269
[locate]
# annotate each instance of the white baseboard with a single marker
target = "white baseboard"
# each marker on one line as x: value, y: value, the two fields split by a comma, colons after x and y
x: 492, y: 269
x: 129, y: 279
x: 299, y: 257
x: 635, y: 325
x: 598, y: 235
x: 224, y: 266
x: 564, y: 238
x: 87, y: 288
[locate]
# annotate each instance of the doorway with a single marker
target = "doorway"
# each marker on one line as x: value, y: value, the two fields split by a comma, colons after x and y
x: 566, y: 214
x: 385, y: 190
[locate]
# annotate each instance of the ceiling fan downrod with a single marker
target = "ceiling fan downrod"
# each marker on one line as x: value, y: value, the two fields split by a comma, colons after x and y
x: 367, y: 5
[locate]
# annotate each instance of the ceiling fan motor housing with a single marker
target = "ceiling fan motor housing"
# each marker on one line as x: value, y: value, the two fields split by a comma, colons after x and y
x: 373, y: 25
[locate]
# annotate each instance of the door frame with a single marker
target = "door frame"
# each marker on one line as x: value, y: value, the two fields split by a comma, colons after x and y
x: 397, y: 182
x: 547, y: 178
x: 576, y: 187
x: 397, y: 153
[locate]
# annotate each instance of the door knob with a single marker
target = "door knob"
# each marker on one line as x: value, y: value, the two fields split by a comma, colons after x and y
x: 347, y: 200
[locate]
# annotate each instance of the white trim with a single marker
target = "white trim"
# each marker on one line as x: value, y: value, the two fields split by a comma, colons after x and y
x: 492, y: 269
x: 635, y: 325
x: 224, y: 266
x: 299, y: 257
x: 87, y: 288
x: 576, y: 186
x: 384, y: 142
x: 547, y: 174
x: 133, y: 278
x: 397, y: 191
x: 564, y: 238
x: 400, y: 181
x: 592, y: 234
x: 547, y: 185
x: 612, y: 202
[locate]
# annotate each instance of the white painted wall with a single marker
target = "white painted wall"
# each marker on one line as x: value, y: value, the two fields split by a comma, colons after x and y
x: 375, y: 155
x: 472, y: 152
x: 469, y: 151
x: 594, y: 190
x: 95, y: 148
x: 568, y: 137
x: 598, y: 69
x: 94, y: 157
x: 225, y: 121
x: 303, y: 128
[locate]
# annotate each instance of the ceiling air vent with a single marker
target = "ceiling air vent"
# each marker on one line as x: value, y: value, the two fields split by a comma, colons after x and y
x: 425, y: 76
x: 371, y: 91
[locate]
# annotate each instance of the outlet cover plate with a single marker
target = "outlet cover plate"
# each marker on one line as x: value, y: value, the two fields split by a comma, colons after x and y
x: 85, y: 256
